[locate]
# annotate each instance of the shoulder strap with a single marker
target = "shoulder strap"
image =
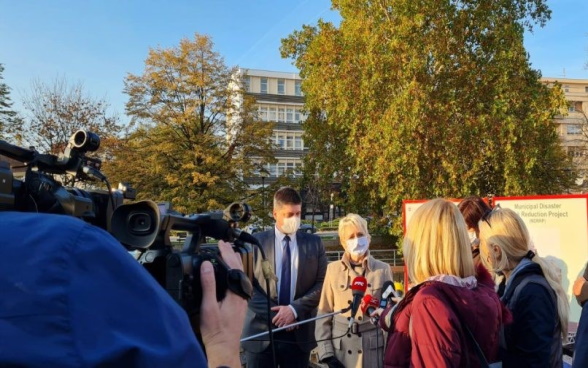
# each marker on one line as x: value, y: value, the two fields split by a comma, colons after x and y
x: 513, y: 296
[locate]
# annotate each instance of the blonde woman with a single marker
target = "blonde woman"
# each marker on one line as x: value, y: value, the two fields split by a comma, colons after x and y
x: 362, y: 347
x: 450, y: 299
x: 533, y: 292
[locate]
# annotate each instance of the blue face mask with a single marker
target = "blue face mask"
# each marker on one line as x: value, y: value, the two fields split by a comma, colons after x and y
x: 357, y: 246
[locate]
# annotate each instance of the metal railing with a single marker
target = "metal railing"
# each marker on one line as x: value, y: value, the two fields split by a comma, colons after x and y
x: 390, y: 256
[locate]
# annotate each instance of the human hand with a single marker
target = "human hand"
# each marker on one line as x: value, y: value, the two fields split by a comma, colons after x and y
x: 221, y: 322
x: 377, y: 312
x: 284, y: 317
x: 577, y: 288
x: 332, y: 362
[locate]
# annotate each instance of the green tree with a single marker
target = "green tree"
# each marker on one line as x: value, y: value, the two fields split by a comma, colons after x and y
x: 429, y: 98
x: 197, y: 137
x: 7, y: 115
x: 53, y: 112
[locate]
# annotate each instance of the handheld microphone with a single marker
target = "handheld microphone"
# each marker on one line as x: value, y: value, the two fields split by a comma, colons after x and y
x: 358, y: 288
x: 369, y: 304
x: 387, y: 292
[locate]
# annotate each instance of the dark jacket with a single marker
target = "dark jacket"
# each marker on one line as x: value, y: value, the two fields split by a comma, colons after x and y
x: 72, y: 296
x: 581, y: 344
x: 312, y: 265
x: 534, y: 337
x: 437, y: 337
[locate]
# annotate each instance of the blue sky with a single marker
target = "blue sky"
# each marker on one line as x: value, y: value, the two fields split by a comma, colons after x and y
x: 97, y: 42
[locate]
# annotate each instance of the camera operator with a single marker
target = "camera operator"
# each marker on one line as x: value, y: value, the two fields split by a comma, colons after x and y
x: 72, y: 296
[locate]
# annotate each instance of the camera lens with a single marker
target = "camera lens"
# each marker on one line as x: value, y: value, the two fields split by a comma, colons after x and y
x: 85, y: 141
x: 140, y: 223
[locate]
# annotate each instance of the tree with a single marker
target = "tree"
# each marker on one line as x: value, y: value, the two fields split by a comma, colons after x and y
x: 197, y: 137
x: 578, y: 149
x: 56, y: 111
x: 7, y: 115
x: 426, y: 99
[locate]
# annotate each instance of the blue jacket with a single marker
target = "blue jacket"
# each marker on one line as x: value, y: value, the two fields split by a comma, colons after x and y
x: 533, y: 339
x: 581, y: 344
x: 72, y: 296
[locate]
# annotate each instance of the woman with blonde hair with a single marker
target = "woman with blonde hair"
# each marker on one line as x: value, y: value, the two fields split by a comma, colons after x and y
x: 533, y: 292
x: 363, y: 345
x: 452, y: 306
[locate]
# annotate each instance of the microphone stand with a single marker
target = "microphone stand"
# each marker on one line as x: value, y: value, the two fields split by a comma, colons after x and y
x: 296, y: 324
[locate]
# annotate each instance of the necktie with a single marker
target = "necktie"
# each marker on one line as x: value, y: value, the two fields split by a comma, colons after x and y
x: 284, y: 297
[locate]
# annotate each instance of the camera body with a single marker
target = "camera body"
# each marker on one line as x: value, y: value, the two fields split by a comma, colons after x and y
x: 144, y: 228
x: 39, y: 191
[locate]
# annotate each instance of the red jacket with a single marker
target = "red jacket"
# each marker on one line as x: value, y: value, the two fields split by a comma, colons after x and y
x: 437, y: 338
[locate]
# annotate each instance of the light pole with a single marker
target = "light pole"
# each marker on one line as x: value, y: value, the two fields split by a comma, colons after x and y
x: 331, y: 210
x: 264, y: 173
x: 263, y: 200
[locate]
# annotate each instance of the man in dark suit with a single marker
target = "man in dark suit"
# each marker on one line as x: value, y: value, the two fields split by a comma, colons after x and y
x: 299, y: 262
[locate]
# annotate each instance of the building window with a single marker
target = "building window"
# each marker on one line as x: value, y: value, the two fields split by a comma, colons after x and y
x: 263, y: 88
x: 280, y: 140
x: 575, y: 152
x: 586, y: 89
x: 273, y: 116
x: 285, y: 166
x: 298, y: 144
x: 247, y: 83
x: 573, y: 129
x: 298, y: 88
x: 290, y: 140
x: 281, y: 113
x: 263, y: 111
x: 566, y: 88
x: 290, y: 115
x: 572, y: 106
x: 281, y: 87
x: 299, y: 116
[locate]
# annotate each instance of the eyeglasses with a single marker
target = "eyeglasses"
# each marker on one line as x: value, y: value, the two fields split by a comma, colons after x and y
x: 486, y: 217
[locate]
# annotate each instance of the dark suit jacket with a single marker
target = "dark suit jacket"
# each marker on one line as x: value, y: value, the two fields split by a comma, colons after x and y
x: 312, y: 265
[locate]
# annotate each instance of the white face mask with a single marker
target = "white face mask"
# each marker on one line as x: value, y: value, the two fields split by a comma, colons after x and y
x: 357, y: 246
x: 473, y: 237
x: 290, y: 225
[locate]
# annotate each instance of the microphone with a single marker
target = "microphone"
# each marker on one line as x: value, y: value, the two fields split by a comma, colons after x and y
x: 387, y: 292
x: 369, y: 304
x: 358, y: 288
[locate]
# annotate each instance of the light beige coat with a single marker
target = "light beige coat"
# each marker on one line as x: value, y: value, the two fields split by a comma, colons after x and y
x: 364, y: 349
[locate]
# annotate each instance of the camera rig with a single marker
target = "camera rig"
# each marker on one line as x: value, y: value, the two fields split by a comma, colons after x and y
x: 39, y: 191
x: 141, y: 227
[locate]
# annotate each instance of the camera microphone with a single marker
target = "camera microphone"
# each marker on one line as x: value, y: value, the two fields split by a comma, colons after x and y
x: 358, y: 288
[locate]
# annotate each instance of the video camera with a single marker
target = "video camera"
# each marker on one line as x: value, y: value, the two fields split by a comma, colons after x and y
x: 39, y: 191
x: 141, y: 227
x: 144, y: 228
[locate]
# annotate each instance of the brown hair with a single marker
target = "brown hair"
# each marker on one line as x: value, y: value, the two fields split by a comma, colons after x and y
x: 286, y: 195
x: 473, y: 208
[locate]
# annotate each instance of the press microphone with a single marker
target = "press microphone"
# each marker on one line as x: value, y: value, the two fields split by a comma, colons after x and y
x: 358, y: 288
x: 387, y: 292
x: 369, y: 304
